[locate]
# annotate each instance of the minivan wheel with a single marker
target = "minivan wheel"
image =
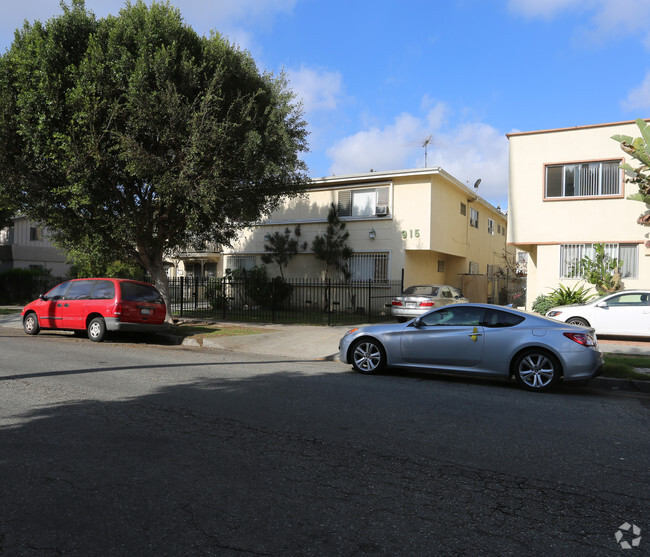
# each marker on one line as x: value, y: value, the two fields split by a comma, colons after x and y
x: 97, y: 329
x: 536, y: 370
x: 30, y: 324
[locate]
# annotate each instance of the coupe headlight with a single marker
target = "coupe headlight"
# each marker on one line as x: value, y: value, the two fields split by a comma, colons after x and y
x: 351, y: 331
x: 553, y: 313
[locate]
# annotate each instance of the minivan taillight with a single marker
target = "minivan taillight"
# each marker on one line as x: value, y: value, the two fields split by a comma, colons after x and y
x: 117, y: 309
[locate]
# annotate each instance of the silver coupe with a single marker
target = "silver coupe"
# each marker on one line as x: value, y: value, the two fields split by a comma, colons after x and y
x: 479, y: 339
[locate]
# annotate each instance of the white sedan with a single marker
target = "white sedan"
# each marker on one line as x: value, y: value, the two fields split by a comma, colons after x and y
x: 623, y: 313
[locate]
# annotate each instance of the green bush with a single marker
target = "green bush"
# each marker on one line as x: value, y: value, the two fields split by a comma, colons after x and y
x: 561, y: 296
x: 214, y: 293
x: 565, y: 295
x: 543, y: 303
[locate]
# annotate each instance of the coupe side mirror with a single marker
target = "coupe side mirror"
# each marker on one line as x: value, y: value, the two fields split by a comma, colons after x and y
x: 601, y: 305
x: 417, y: 322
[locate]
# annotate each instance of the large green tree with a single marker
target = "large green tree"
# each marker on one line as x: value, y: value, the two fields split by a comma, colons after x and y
x: 131, y: 135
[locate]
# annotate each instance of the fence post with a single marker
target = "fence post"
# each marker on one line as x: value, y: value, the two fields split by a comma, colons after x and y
x: 196, y: 293
x: 369, y: 300
x: 272, y: 301
x: 328, y: 302
x: 182, y: 293
x: 224, y: 292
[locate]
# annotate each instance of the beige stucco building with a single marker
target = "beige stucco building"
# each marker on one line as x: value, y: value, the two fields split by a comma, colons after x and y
x: 423, y: 223
x: 566, y: 193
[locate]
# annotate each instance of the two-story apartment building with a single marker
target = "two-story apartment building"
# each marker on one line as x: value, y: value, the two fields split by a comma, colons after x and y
x: 25, y: 245
x: 422, y: 222
x: 567, y: 193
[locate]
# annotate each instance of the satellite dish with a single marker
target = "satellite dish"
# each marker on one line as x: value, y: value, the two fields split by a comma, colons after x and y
x: 476, y: 184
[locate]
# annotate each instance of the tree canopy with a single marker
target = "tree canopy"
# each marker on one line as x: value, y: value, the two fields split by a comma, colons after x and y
x: 132, y: 135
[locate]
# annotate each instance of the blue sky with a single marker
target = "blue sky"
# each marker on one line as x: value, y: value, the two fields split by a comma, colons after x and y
x: 379, y: 77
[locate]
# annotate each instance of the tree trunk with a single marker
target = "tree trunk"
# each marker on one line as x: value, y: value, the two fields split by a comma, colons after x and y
x: 159, y: 277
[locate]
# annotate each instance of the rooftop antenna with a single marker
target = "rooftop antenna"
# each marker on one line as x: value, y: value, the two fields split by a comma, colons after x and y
x: 426, y: 149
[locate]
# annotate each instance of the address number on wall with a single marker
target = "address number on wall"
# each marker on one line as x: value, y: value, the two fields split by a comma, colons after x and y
x: 411, y: 233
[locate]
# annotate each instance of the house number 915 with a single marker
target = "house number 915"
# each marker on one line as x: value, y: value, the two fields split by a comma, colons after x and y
x: 411, y: 233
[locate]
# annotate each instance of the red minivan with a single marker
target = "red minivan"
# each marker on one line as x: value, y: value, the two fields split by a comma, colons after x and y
x: 97, y: 305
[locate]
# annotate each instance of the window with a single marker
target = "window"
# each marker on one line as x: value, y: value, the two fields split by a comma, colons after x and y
x: 457, y: 315
x: 495, y: 318
x: 628, y: 299
x: 441, y: 266
x: 463, y: 209
x: 103, y: 290
x: 593, y: 179
x: 79, y: 290
x: 369, y: 266
x: 498, y: 229
x: 134, y: 292
x: 491, y: 227
x: 241, y: 262
x: 35, y: 234
x: 368, y: 202
x: 473, y: 218
x: 572, y: 254
x: 473, y: 268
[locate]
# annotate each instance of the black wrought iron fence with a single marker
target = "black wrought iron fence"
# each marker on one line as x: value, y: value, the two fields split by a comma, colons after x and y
x: 282, y: 301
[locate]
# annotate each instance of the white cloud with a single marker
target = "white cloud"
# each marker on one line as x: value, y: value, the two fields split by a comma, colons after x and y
x: 319, y: 89
x: 639, y: 97
x: 376, y: 148
x: 541, y: 8
x: 609, y: 18
x: 468, y: 150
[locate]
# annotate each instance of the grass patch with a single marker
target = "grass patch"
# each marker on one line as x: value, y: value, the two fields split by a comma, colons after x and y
x: 8, y: 311
x: 622, y: 367
x: 206, y: 330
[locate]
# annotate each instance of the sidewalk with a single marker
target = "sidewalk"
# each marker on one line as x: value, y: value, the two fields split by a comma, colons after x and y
x: 312, y: 342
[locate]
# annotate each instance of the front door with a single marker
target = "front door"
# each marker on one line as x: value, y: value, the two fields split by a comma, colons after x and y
x: 451, y: 336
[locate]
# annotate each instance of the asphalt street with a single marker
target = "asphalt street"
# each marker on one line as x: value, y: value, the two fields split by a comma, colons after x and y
x: 128, y: 448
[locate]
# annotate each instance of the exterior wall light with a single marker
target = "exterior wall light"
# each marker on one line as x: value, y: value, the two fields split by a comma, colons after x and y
x: 372, y: 234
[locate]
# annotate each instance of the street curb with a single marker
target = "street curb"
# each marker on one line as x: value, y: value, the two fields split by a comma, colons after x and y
x: 614, y: 384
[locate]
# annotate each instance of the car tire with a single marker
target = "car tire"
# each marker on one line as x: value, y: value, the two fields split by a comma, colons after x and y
x: 368, y: 356
x: 536, y: 370
x: 97, y: 329
x: 30, y: 324
x: 578, y: 321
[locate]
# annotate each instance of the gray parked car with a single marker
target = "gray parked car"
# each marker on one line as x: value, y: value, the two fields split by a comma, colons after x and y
x: 417, y: 300
x: 479, y: 339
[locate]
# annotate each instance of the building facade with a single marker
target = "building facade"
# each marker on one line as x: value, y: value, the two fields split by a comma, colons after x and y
x: 567, y: 193
x: 423, y: 224
x: 25, y: 245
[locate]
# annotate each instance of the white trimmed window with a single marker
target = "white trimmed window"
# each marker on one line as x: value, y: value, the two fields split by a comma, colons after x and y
x: 241, y: 262
x: 473, y: 218
x: 367, y: 202
x: 589, y: 179
x: 572, y: 254
x: 369, y: 266
x: 491, y: 226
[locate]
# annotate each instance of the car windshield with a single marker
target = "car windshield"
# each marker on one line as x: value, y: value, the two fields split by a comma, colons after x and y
x: 421, y: 291
x: 134, y: 292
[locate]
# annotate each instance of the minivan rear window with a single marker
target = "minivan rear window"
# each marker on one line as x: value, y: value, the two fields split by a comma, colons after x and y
x: 134, y: 292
